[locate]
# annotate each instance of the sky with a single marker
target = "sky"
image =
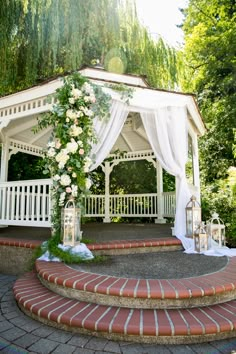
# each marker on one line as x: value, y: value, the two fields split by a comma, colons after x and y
x: 161, y: 18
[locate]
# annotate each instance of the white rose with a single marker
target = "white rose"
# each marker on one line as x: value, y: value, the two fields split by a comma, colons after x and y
x: 71, y: 100
x: 87, y: 88
x: 74, y: 189
x: 51, y: 144
x: 88, y: 112
x: 51, y: 152
x: 65, y: 180
x: 72, y: 146
x: 71, y: 114
x: 56, y: 178
x: 61, y: 165
x: 75, y: 131
x: 87, y: 164
x: 88, y: 183
x: 62, y: 198
x: 62, y: 157
x: 76, y: 93
x: 79, y: 114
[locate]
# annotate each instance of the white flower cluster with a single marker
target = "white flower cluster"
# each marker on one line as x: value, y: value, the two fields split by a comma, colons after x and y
x: 87, y: 164
x: 66, y: 165
x: 62, y: 157
x: 75, y: 131
x: 72, y: 147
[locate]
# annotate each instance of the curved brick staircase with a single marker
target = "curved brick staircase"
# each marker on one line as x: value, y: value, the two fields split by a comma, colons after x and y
x: 190, y: 310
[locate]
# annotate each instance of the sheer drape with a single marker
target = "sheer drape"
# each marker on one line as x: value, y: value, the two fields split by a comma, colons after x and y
x: 166, y: 128
x: 108, y: 132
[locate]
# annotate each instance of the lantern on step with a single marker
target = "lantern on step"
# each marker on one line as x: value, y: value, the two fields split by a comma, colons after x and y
x: 70, y: 224
x: 193, y: 216
x: 202, y: 241
x: 216, y: 229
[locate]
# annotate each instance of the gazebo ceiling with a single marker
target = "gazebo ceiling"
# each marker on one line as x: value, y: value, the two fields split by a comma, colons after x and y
x: 132, y: 137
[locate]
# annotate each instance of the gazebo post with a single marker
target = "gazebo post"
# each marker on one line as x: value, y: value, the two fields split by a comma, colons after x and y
x: 196, y: 175
x: 107, y: 170
x: 160, y: 206
x: 4, y: 161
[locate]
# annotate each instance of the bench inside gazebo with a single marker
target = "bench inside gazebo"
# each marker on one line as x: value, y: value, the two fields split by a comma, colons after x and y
x: 27, y: 203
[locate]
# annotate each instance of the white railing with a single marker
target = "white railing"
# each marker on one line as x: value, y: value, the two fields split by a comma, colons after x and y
x: 130, y: 205
x: 169, y: 204
x: 25, y: 203
x: 94, y: 206
x: 133, y: 205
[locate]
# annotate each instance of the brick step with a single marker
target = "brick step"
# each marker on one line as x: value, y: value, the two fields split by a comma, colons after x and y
x: 162, y: 326
x: 204, y: 290
x: 117, y: 247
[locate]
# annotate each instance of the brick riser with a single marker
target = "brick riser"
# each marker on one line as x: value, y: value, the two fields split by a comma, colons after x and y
x: 204, y: 290
x: 172, y: 326
x: 117, y: 247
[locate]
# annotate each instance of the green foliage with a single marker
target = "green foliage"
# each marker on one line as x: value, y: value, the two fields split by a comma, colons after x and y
x: 41, y: 39
x: 25, y: 167
x: 125, y: 91
x: 220, y: 197
x: 65, y: 256
x: 68, y: 152
x: 209, y: 59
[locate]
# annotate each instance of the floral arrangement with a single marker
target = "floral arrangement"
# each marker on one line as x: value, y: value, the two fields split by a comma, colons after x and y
x: 67, y: 158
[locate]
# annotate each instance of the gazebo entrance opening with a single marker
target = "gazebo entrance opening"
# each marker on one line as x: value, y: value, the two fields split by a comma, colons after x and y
x: 27, y: 203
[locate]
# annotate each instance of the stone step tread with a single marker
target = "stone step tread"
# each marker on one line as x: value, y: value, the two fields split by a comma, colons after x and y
x: 44, y: 304
x: 124, y: 244
x: 212, y: 284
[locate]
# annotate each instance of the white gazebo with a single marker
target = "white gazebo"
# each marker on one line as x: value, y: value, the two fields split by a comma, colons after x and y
x: 156, y: 125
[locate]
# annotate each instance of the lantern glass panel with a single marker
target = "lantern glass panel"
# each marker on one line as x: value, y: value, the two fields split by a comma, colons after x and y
x: 193, y: 216
x: 77, y: 226
x: 189, y: 222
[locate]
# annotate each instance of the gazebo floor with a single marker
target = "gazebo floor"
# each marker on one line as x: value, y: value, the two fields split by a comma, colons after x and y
x: 96, y: 232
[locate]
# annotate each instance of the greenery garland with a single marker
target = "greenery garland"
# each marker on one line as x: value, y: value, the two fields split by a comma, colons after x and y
x: 67, y: 158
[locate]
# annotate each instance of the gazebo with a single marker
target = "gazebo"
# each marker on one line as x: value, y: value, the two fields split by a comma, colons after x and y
x: 156, y: 125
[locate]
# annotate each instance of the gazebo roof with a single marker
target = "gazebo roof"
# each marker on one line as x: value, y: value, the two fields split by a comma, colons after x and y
x: 19, y: 111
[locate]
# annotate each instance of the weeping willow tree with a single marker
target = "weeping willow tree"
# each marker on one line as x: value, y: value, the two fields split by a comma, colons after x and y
x: 43, y: 38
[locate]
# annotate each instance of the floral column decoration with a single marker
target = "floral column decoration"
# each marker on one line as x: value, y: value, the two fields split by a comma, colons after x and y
x: 68, y: 158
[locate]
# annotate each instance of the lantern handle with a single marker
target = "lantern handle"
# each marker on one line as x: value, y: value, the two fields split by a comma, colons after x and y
x: 68, y: 202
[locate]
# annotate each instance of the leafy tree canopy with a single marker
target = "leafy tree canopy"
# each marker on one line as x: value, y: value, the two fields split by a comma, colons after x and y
x: 43, y: 38
x: 210, y: 58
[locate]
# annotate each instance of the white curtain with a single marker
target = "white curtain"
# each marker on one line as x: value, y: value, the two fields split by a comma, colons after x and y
x: 107, y: 132
x: 166, y: 129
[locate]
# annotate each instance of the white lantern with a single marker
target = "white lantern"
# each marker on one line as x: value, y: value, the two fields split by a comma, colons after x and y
x: 216, y: 229
x: 193, y: 216
x: 202, y: 241
x: 70, y: 222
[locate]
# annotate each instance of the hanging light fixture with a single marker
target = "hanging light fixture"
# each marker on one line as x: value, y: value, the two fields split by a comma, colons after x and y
x: 70, y: 217
x: 193, y: 216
